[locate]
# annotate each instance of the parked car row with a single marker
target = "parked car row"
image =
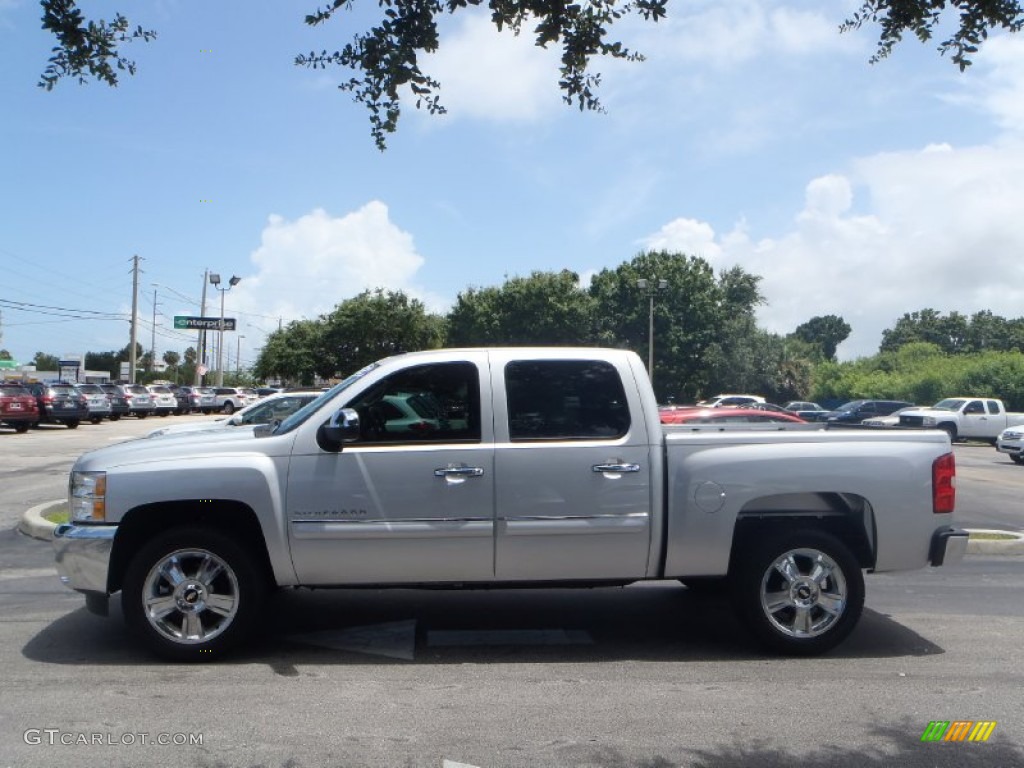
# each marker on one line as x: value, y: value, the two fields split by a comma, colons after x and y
x: 23, y: 405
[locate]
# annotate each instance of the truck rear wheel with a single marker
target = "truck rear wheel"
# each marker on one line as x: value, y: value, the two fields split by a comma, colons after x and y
x: 801, y: 593
x: 1017, y: 458
x: 192, y: 594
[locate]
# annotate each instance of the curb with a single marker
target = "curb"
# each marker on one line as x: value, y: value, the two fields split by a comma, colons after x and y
x: 33, y: 523
x: 1005, y: 547
x: 38, y: 527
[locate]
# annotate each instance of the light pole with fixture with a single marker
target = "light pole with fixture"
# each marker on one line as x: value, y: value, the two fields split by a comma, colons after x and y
x: 215, y: 282
x: 651, y: 287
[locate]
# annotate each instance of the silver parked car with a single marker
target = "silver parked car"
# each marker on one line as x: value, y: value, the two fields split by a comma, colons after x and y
x: 163, y: 399
x: 98, y: 401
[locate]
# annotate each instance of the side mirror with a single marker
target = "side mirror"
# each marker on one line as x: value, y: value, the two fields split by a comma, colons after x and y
x: 343, y: 427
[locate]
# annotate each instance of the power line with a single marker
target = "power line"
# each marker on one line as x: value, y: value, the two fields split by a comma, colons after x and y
x: 49, y: 309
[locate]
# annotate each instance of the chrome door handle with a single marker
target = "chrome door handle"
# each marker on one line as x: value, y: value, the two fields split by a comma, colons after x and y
x: 459, y: 472
x: 616, y: 468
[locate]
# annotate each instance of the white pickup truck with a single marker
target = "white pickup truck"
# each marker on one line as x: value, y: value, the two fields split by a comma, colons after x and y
x: 964, y: 418
x: 510, y: 467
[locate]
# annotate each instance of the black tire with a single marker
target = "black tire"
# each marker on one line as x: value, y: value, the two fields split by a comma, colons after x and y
x: 22, y: 427
x: 950, y: 429
x: 807, y: 616
x: 164, y: 414
x: 142, y: 415
x: 71, y: 424
x: 228, y: 408
x: 213, y: 566
x: 115, y: 416
x: 1017, y: 458
x: 95, y: 419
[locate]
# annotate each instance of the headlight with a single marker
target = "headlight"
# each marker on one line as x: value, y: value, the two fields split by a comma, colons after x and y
x: 88, y: 497
x: 928, y: 421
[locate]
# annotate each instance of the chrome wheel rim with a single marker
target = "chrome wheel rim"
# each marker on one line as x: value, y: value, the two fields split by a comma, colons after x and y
x: 190, y: 596
x: 803, y: 593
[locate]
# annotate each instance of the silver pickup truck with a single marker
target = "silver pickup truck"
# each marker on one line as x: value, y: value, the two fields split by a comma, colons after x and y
x: 511, y: 467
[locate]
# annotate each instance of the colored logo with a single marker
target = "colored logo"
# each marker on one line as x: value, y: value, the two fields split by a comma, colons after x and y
x: 958, y: 730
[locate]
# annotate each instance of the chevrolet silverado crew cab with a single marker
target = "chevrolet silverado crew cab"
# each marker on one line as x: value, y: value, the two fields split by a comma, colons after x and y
x: 979, y: 418
x: 501, y: 467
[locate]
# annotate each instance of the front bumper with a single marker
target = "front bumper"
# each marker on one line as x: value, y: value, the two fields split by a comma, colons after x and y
x: 83, y: 556
x: 948, y: 546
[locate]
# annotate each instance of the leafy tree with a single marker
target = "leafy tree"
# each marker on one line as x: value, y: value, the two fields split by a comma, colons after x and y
x: 923, y: 17
x: 691, y: 316
x: 546, y: 308
x: 191, y: 356
x: 385, y: 59
x: 826, y: 332
x: 955, y: 333
x: 373, y: 325
x: 45, y: 362
x: 172, y: 358
x: 103, y: 361
x: 291, y: 353
x: 5, y: 355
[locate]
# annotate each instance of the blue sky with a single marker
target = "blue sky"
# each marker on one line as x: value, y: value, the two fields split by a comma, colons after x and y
x: 754, y: 134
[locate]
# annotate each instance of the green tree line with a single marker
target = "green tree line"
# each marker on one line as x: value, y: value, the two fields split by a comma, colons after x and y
x: 706, y: 339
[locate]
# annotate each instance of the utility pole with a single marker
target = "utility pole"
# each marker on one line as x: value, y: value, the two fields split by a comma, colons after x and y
x: 201, y: 357
x: 135, y: 319
x: 152, y: 345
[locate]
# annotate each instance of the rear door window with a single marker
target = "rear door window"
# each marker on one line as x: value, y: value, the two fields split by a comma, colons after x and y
x: 565, y: 400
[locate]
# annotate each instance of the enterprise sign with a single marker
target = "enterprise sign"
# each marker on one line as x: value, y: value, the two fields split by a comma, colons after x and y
x: 203, y: 323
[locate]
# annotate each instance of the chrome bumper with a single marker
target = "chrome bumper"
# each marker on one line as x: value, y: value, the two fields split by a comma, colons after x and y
x: 948, y: 546
x: 83, y: 555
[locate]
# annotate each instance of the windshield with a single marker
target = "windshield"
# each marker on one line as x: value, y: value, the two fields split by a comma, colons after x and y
x: 307, y: 410
x: 949, y: 404
x: 851, y: 406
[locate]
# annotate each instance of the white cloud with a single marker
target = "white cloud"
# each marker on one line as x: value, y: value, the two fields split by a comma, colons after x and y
x: 730, y: 33
x: 307, y: 266
x: 943, y: 232
x: 1002, y: 93
x: 685, y: 236
x: 509, y: 78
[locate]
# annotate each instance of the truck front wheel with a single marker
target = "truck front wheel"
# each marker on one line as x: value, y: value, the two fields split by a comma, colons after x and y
x: 192, y: 594
x: 799, y: 594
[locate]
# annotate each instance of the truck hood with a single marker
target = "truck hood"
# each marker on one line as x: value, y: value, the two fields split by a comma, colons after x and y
x: 185, y: 445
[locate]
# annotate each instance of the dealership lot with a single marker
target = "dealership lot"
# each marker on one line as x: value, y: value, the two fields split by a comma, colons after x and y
x: 644, y: 676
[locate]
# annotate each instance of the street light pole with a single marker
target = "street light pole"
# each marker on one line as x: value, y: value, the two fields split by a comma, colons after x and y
x: 651, y: 287
x: 215, y: 282
x: 238, y: 356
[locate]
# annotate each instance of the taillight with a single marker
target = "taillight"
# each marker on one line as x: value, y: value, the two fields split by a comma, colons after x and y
x: 47, y: 399
x: 944, y: 484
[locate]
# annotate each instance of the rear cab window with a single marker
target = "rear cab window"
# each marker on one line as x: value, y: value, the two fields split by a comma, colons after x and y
x: 565, y: 400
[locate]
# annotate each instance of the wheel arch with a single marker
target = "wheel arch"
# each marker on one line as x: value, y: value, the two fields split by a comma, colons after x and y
x: 143, y: 523
x: 848, y: 517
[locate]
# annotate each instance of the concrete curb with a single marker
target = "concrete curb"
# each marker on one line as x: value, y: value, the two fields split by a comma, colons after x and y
x: 38, y: 527
x: 1003, y: 547
x: 33, y: 523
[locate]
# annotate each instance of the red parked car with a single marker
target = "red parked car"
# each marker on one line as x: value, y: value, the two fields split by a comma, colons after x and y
x: 18, y: 406
x: 727, y: 416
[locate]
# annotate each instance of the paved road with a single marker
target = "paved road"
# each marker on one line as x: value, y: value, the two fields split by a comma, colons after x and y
x: 648, y: 676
